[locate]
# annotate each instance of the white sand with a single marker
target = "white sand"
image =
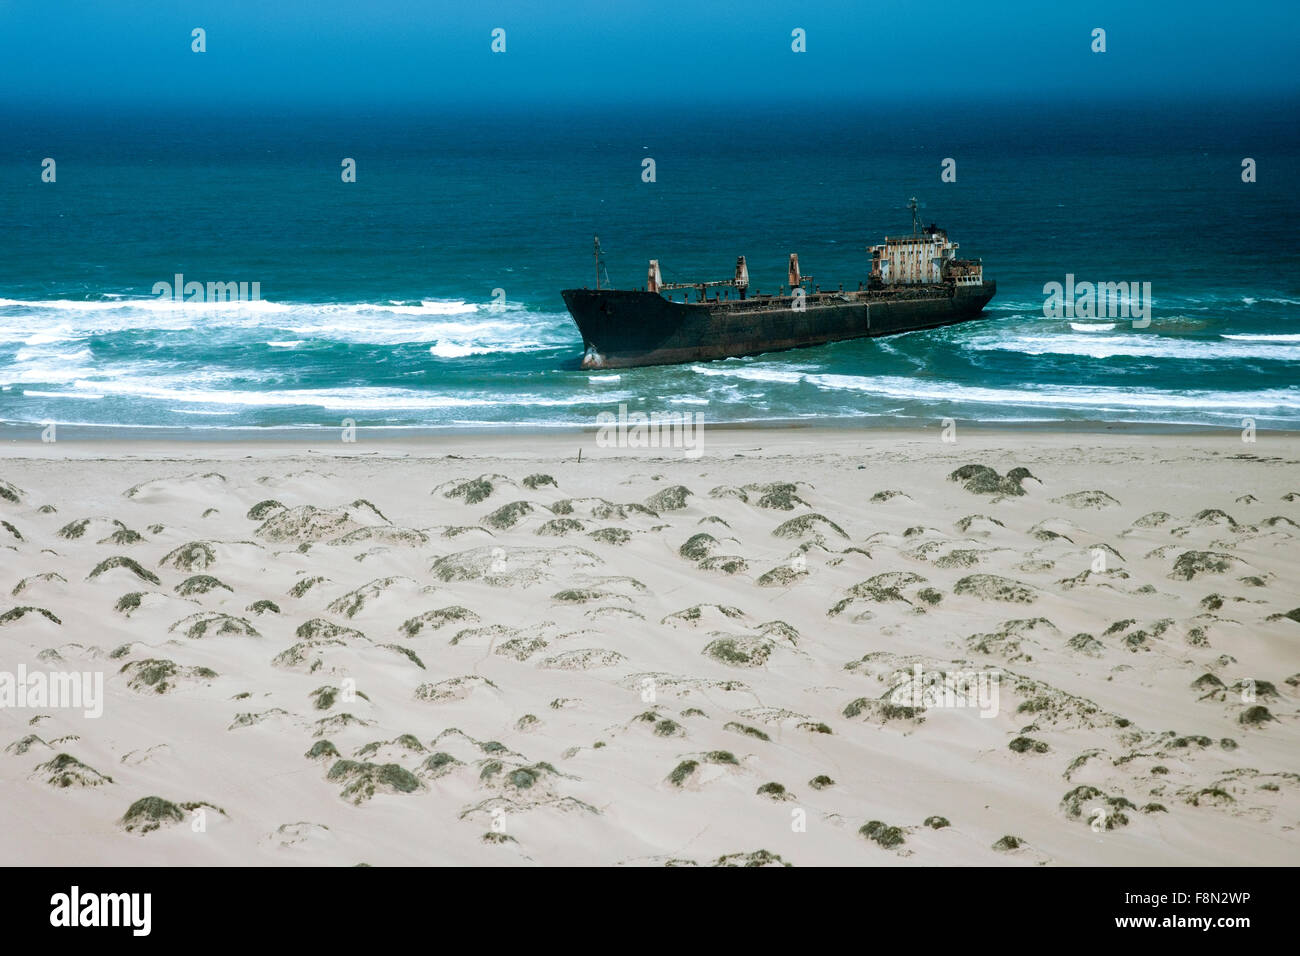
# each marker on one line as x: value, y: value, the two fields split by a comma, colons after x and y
x: 538, y: 700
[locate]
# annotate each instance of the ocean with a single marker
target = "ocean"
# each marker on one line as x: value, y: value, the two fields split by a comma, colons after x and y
x: 379, y: 299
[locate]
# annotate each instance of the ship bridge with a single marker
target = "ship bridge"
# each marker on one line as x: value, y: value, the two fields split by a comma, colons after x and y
x: 926, y: 257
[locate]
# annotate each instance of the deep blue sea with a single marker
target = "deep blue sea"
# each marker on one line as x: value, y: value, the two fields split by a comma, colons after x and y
x: 377, y: 296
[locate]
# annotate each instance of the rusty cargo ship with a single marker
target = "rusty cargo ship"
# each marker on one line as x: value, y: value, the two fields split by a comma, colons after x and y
x: 916, y: 282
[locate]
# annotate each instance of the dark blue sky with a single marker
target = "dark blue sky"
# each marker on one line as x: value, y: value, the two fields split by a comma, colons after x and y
x: 56, y: 53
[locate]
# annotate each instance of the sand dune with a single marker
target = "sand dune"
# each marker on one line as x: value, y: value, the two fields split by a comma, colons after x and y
x: 385, y: 654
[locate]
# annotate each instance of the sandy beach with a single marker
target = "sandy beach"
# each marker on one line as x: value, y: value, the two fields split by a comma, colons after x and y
x: 479, y: 650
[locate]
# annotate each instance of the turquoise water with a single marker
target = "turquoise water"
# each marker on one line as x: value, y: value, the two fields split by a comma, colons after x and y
x: 377, y: 296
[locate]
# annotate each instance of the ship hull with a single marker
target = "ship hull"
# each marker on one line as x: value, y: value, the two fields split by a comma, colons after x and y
x: 628, y: 328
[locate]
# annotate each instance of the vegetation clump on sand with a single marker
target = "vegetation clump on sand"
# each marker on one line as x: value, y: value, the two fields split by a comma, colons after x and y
x: 352, y: 603
x: 122, y: 561
x: 983, y: 480
x: 128, y: 602
x: 201, y: 584
x: 406, y: 652
x: 669, y: 499
x: 667, y: 728
x: 453, y: 688
x: 1008, y: 843
x: 682, y: 772
x: 726, y: 563
x: 75, y: 529
x: 1023, y: 745
x: 964, y: 525
x: 698, y: 547
x: 1087, y: 802
x: 194, y: 556
x: 1211, y: 796
x: 882, y: 496
x: 746, y: 730
x: 161, y: 676
x: 930, y: 596
x: 810, y: 526
x: 320, y: 629
x: 324, y: 697
x: 993, y: 587
x: 306, y: 584
x: 307, y: 524
x: 739, y: 651
x: 533, y: 482
x: 407, y: 742
x: 881, y: 833
x: 436, y: 619
x: 263, y: 607
x: 507, y: 516
x: 1256, y: 716
x: 695, y: 613
x: 16, y: 613
x: 615, y: 536
x: 1086, y: 644
x: 123, y: 535
x: 473, y: 491
x: 1153, y: 520
x: 580, y: 595
x: 780, y: 576
x: 755, y: 858
x: 559, y: 527
x: 886, y: 586
x: 264, y: 509
x: 363, y: 780
x: 66, y: 770
x: 821, y: 782
x: 884, y: 709
x: 1189, y: 564
x: 10, y: 492
x: 149, y: 813
x: 1087, y: 499
x: 604, y: 510
x: 214, y: 624
x: 440, y: 763
x: 322, y: 749
x: 777, y: 495
x: 774, y: 790
x: 937, y: 822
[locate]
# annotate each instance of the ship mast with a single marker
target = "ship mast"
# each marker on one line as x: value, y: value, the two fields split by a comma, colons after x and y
x: 596, y: 254
x: 911, y: 204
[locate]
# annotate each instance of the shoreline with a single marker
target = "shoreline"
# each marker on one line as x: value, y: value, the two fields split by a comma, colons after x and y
x: 429, y: 439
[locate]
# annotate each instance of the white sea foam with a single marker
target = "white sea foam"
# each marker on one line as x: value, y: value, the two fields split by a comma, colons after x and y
x: 455, y: 325
x: 1245, y: 337
x: 1060, y: 396
x: 1133, y: 344
x: 364, y: 398
x: 452, y: 350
